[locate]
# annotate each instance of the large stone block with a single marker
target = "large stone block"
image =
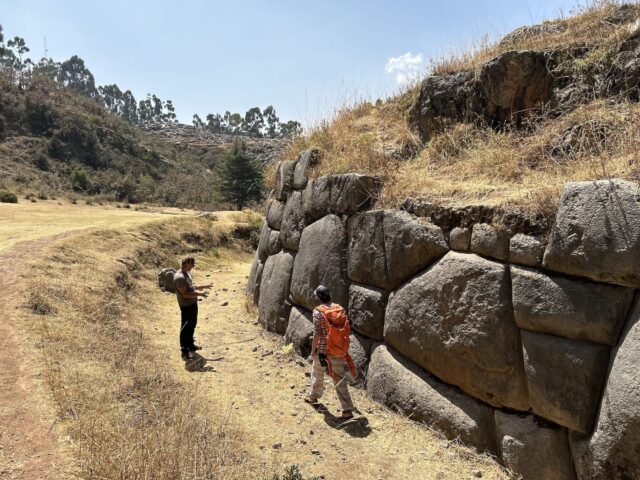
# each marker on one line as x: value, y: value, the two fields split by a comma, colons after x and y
x: 274, y: 305
x: 321, y: 261
x: 490, y: 241
x: 533, y: 449
x: 597, y: 232
x: 352, y: 192
x: 360, y: 351
x: 366, y: 310
x: 399, y: 384
x: 613, y: 449
x: 300, y: 330
x: 316, y: 198
x: 456, y: 321
x: 571, y: 308
x: 460, y: 239
x: 292, y: 222
x: 274, y: 245
x: 275, y: 210
x: 387, y: 247
x: 565, y: 378
x: 284, y: 180
x: 263, y: 244
x: 526, y: 250
x: 253, y: 284
x: 306, y: 161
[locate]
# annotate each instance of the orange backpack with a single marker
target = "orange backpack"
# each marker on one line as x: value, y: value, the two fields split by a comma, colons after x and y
x: 338, y: 329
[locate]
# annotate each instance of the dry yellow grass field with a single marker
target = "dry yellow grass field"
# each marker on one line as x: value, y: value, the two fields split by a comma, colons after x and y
x: 104, y: 339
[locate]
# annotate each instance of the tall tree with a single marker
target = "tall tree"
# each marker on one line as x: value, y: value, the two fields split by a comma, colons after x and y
x: 253, y: 122
x: 75, y: 75
x: 197, y: 122
x: 272, y: 122
x: 215, y: 123
x: 240, y: 177
x: 112, y: 97
x: 290, y: 129
x: 130, y: 108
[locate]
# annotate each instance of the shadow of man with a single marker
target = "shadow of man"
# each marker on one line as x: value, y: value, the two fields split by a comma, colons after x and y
x: 197, y: 363
x: 356, y: 426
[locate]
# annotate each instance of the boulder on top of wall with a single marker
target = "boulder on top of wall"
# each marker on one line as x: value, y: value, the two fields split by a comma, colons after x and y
x: 489, y: 241
x: 366, y: 310
x: 597, y: 232
x: 460, y: 238
x: 565, y: 378
x: 394, y: 381
x: 263, y: 244
x: 533, y: 449
x: 284, y: 179
x: 316, y: 198
x: 253, y: 284
x: 571, y: 308
x: 321, y: 262
x: 360, y: 350
x: 306, y: 160
x: 300, y: 330
x: 275, y: 211
x: 612, y: 451
x: 525, y: 250
x: 456, y: 321
x: 353, y: 192
x: 274, y: 245
x: 274, y: 305
x: 292, y: 222
x: 515, y: 84
x: 387, y: 247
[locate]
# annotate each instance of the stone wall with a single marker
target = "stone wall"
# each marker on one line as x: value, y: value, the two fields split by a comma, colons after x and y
x: 523, y: 346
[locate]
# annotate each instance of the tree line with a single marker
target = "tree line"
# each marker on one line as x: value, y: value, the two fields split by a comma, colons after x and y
x: 254, y: 123
x: 75, y: 75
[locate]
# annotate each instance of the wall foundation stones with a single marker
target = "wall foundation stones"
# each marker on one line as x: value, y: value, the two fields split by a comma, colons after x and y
x: 300, y: 330
x: 273, y: 305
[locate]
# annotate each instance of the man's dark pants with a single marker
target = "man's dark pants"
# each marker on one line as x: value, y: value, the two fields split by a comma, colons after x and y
x: 189, y: 317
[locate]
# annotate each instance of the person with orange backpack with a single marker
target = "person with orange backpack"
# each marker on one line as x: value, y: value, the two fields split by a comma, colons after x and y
x: 330, y: 351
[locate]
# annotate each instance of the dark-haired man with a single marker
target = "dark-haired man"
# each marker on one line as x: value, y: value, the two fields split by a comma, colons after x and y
x: 187, y: 295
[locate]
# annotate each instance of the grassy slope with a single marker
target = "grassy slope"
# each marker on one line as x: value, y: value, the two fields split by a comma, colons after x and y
x: 468, y: 164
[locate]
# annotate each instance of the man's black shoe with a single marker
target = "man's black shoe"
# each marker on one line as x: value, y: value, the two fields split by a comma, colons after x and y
x: 194, y: 348
x: 185, y: 355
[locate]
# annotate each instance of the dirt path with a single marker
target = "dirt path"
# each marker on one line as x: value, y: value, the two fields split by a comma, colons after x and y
x: 29, y: 446
x: 244, y: 371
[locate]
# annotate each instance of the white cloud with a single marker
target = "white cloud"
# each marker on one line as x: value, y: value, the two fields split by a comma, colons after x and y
x: 407, y: 67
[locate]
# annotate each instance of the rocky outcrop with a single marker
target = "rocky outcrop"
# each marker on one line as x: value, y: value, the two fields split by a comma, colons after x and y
x: 366, y: 310
x: 387, y: 247
x: 321, y: 261
x: 612, y: 451
x: 274, y: 305
x: 571, y: 308
x: 564, y: 378
x: 456, y: 321
x: 533, y: 448
x: 394, y: 381
x: 597, y: 232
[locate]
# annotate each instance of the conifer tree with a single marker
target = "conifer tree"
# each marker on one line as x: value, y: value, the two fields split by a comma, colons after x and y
x: 240, y: 177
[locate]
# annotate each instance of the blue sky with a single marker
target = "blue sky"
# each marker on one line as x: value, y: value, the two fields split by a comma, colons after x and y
x: 304, y: 57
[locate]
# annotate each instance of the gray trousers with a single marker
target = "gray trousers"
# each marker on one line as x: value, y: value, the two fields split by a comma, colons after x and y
x: 340, y: 377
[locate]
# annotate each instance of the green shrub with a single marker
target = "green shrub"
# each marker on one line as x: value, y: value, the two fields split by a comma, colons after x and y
x: 8, y: 197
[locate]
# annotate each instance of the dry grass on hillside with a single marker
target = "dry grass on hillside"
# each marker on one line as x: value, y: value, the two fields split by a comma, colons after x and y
x: 125, y: 414
x: 469, y: 164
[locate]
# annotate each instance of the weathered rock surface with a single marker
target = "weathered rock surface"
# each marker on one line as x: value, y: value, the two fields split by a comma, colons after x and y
x: 387, y: 247
x: 321, y: 261
x: 253, y: 284
x: 565, y: 378
x: 360, y: 351
x: 489, y: 241
x: 300, y: 330
x: 306, y: 160
x: 284, y: 180
x: 316, y: 198
x: 366, y: 310
x: 274, y: 245
x: 525, y: 250
x: 165, y: 279
x: 613, y: 450
x: 397, y: 383
x: 275, y: 210
x: 597, y: 232
x: 274, y: 305
x: 535, y: 450
x: 460, y: 239
x: 263, y: 244
x: 575, y: 309
x: 292, y: 222
x: 456, y: 321
x: 352, y: 192
x: 515, y: 84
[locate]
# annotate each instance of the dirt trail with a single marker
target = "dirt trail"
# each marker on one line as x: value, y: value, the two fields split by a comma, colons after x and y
x: 244, y: 371
x: 29, y: 446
